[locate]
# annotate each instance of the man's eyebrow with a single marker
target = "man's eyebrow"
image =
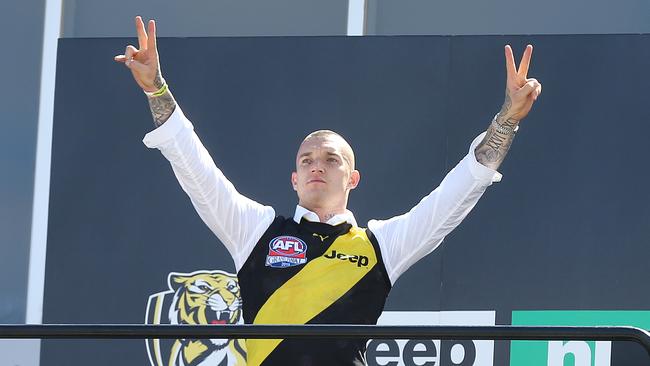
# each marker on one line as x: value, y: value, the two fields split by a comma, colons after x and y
x: 308, y: 153
x: 341, y: 155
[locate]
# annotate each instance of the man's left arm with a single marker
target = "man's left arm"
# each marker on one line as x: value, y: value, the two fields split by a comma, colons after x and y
x: 406, y: 238
x: 521, y: 93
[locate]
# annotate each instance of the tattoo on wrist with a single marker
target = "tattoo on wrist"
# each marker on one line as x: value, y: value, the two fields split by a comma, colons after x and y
x: 502, y: 117
x: 498, y: 139
x: 158, y: 82
x: 161, y: 106
x: 507, y: 103
x: 493, y: 149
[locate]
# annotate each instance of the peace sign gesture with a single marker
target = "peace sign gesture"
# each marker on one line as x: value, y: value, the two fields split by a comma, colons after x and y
x: 143, y: 61
x: 521, y: 92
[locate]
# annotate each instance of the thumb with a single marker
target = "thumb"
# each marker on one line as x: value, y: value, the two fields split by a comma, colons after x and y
x: 528, y: 88
x: 130, y: 52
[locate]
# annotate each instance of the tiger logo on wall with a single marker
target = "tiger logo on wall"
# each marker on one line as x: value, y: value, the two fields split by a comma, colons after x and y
x: 200, y: 297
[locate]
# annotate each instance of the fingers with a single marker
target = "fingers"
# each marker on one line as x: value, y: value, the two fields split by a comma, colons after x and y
x: 142, y: 35
x: 528, y: 88
x: 525, y: 62
x: 152, y: 44
x: 537, y: 89
x: 511, y: 71
x: 137, y: 66
x: 130, y: 61
x: 129, y: 54
x: 532, y: 88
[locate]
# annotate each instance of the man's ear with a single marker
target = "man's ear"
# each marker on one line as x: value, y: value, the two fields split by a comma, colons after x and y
x: 294, y: 181
x: 355, y: 177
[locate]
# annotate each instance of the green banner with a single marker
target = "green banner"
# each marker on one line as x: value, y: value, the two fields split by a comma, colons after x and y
x: 572, y: 353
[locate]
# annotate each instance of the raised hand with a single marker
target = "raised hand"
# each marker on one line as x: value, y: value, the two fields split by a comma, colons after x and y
x: 145, y: 67
x: 143, y: 61
x: 521, y: 92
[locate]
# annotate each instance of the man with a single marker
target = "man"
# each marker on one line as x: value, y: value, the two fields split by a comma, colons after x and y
x: 319, y: 266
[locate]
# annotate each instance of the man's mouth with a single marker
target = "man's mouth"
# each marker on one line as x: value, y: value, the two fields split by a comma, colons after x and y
x: 315, y: 181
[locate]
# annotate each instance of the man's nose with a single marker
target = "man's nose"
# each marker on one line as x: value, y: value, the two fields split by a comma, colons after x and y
x: 317, y: 167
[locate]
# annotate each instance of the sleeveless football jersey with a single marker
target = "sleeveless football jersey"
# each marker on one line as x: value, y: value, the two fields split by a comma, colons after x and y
x: 312, y: 273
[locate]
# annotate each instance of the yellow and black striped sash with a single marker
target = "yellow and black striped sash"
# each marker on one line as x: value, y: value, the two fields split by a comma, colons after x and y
x: 318, y: 285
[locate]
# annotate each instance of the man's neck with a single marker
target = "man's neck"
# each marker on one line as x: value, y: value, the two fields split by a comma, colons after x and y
x: 325, y: 214
x: 325, y: 217
x: 326, y: 209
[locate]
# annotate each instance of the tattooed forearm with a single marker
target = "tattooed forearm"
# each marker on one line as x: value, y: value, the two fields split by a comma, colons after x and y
x: 494, y: 147
x: 161, y: 106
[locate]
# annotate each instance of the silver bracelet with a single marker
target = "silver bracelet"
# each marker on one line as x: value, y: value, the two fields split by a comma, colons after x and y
x: 504, y: 130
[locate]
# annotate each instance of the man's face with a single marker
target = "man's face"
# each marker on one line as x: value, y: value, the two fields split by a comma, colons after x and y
x: 324, y: 173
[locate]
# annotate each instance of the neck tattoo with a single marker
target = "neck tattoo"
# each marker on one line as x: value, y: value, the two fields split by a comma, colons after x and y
x: 328, y: 216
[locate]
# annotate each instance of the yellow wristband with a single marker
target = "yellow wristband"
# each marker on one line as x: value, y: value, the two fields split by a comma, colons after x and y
x: 163, y: 89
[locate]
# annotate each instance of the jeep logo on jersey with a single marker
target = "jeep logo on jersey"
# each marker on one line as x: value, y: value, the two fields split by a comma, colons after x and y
x: 286, y: 251
x: 360, y: 260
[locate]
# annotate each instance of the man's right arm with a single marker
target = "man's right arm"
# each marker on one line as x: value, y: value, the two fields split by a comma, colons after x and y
x: 144, y: 64
x: 236, y: 220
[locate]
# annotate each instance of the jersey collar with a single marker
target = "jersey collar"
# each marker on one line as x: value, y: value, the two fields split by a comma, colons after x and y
x: 302, y: 212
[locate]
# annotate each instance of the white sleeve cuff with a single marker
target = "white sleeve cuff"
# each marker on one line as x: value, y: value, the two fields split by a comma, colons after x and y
x: 477, y: 169
x: 176, y: 122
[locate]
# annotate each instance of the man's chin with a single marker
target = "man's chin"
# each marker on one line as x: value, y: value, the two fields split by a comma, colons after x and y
x: 315, y: 198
